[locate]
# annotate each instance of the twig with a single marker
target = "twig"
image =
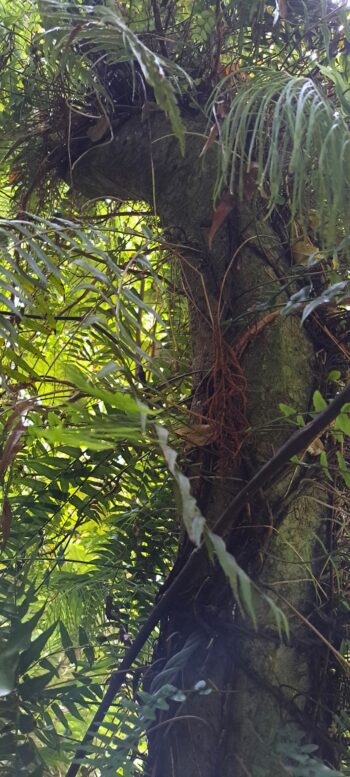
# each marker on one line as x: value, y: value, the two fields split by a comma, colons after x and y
x: 267, y: 474
x: 159, y: 28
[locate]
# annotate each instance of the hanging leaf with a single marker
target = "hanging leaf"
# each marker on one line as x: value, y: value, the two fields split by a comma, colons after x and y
x: 342, y: 422
x: 328, y: 295
x: 240, y: 582
x: 34, y: 651
x: 12, y: 446
x: 280, y: 618
x: 153, y: 67
x: 344, y: 470
x: 67, y: 644
x: 191, y: 514
x: 324, y: 465
x: 221, y: 212
x: 318, y: 401
x: 304, y: 251
x: 316, y: 447
x: 213, y: 135
x: 87, y: 648
x: 6, y: 520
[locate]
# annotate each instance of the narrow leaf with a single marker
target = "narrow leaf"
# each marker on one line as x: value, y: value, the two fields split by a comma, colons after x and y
x: 33, y: 652
x: 191, y: 514
x: 221, y: 212
x: 6, y: 520
x: 67, y: 644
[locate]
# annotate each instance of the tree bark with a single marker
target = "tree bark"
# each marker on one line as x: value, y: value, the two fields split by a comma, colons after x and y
x: 262, y: 689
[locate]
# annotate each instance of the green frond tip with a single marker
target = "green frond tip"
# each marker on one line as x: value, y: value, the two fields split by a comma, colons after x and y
x: 156, y: 70
x: 285, y: 134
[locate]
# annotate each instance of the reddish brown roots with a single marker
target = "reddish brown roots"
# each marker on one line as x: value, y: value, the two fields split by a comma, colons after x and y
x: 225, y: 403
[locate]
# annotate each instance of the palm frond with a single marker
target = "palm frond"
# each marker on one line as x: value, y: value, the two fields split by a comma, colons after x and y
x: 100, y: 34
x: 290, y: 138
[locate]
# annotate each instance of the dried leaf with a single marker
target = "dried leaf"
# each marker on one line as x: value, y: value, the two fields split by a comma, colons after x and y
x: 197, y: 435
x: 220, y: 215
x: 6, y: 520
x: 280, y: 11
x: 303, y: 250
x: 316, y: 447
x: 12, y: 446
x: 20, y: 409
x: 283, y: 8
x: 213, y: 134
x: 98, y: 130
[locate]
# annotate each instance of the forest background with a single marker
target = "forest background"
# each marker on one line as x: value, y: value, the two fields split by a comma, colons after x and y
x: 174, y: 399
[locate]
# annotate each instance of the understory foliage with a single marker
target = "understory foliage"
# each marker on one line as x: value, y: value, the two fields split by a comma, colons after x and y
x: 95, y: 369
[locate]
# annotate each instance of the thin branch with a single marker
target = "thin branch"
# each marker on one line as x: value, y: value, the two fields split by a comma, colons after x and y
x: 159, y: 28
x: 267, y: 474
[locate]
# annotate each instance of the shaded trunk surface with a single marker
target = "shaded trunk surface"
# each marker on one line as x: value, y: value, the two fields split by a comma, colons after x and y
x: 262, y: 689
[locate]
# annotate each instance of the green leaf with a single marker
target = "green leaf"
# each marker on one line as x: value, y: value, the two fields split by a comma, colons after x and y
x: 281, y: 619
x: 334, y: 375
x: 67, y: 644
x: 21, y: 634
x: 73, y: 709
x: 58, y: 711
x: 345, y: 473
x: 33, y: 652
x: 318, y: 401
x: 33, y: 686
x: 342, y: 422
x: 8, y: 672
x: 324, y: 464
x: 84, y: 643
x: 26, y: 723
x: 240, y: 582
x: 118, y: 400
x: 287, y: 410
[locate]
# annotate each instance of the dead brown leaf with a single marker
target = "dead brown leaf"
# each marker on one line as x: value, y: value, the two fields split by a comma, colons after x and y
x: 316, y: 447
x: 222, y: 210
x: 197, y: 435
x: 213, y: 134
x: 5, y: 522
x: 98, y: 130
x: 283, y: 8
x: 12, y: 446
x: 20, y: 409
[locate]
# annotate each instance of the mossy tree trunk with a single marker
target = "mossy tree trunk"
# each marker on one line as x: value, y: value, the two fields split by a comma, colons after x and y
x: 261, y: 688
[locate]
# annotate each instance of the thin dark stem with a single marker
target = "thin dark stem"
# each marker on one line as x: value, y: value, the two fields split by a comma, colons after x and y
x: 159, y: 28
x: 267, y: 474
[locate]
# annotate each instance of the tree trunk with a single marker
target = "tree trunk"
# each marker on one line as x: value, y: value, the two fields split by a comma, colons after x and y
x: 262, y: 689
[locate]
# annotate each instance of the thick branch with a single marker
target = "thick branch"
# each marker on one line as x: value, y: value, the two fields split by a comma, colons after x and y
x: 267, y: 474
